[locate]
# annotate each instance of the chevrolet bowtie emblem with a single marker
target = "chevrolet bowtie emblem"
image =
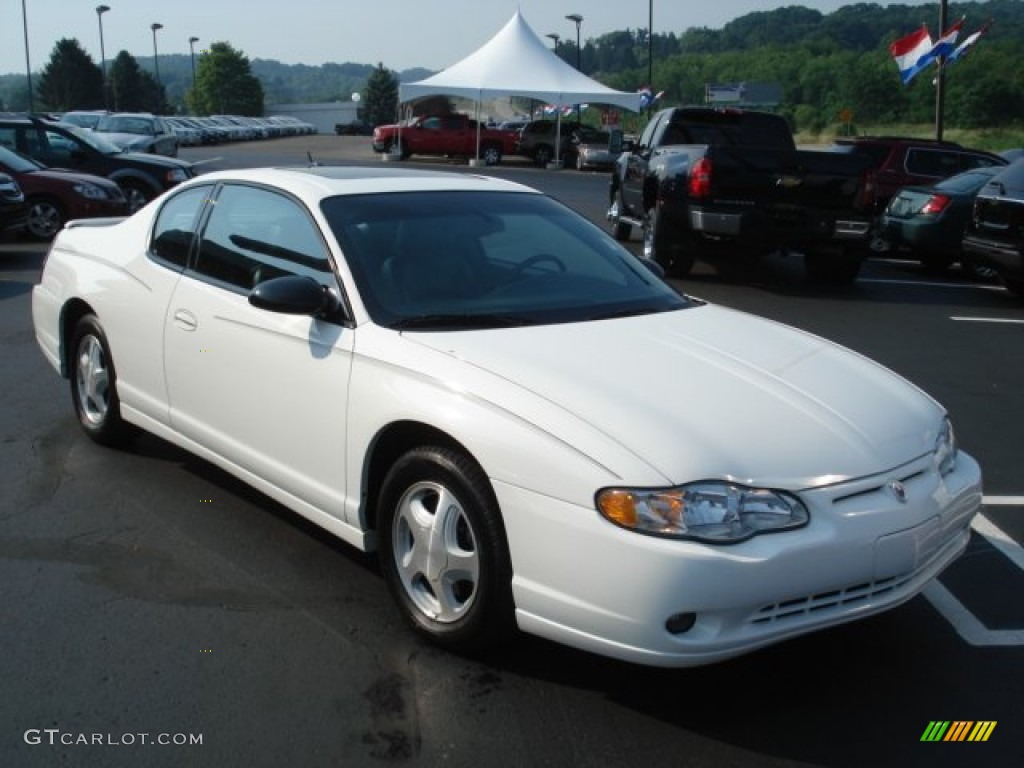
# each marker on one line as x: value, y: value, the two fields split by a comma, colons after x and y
x: 896, y: 489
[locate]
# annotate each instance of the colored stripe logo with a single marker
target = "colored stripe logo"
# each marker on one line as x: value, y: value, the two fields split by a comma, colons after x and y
x: 958, y: 730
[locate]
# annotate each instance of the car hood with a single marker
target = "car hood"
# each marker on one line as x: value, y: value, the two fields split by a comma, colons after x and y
x: 67, y: 176
x: 127, y: 139
x: 711, y: 392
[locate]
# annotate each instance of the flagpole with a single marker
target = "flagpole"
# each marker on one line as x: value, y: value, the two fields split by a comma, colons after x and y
x: 940, y: 78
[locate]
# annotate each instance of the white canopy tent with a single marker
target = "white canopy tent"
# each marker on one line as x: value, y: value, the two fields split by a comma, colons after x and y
x: 516, y: 62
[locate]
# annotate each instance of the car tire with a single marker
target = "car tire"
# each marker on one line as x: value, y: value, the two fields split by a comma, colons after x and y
x: 94, y: 384
x: 1014, y: 286
x: 46, y: 217
x: 491, y: 154
x: 398, y: 149
x: 437, y: 501
x: 663, y: 243
x: 832, y: 268
x: 138, y: 194
x: 976, y: 271
x: 543, y: 154
x: 935, y: 263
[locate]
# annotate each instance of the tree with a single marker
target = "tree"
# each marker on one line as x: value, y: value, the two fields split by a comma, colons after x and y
x: 225, y: 84
x: 71, y: 79
x: 381, y: 97
x: 133, y: 89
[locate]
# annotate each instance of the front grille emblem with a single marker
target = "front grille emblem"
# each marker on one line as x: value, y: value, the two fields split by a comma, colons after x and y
x: 896, y: 489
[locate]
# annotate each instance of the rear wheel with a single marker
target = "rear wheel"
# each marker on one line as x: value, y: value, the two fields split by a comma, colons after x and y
x: 832, y: 268
x: 94, y: 384
x: 664, y: 244
x: 443, y: 550
x: 1014, y: 286
x: 543, y: 154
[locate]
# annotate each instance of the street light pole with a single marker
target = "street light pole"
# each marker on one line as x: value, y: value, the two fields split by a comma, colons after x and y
x: 156, y: 63
x: 191, y: 43
x: 100, y: 10
x: 28, y: 67
x: 556, y: 37
x: 940, y: 78
x: 579, y: 53
x: 650, y: 51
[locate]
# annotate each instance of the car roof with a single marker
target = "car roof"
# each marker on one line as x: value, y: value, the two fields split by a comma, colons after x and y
x: 314, y: 183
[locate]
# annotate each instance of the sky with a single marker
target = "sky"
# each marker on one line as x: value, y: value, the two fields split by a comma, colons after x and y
x: 401, y: 34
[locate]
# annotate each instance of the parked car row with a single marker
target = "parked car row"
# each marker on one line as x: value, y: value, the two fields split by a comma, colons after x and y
x: 143, y: 132
x: 53, y: 144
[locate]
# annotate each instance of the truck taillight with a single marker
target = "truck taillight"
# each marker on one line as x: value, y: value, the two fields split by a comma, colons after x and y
x: 935, y: 204
x: 700, y: 178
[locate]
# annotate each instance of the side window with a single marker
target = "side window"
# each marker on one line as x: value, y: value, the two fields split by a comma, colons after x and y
x: 647, y: 137
x: 254, y: 235
x: 8, y: 138
x: 56, y: 147
x: 432, y: 124
x: 176, y: 225
x: 932, y: 162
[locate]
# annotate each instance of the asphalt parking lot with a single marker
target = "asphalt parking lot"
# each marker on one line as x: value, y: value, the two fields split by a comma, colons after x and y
x: 147, y: 597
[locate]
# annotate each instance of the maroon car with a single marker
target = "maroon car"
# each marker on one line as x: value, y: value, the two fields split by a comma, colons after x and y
x: 53, y: 196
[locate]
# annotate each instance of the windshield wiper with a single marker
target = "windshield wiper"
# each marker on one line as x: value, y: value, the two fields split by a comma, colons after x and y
x: 635, y: 312
x: 463, y: 320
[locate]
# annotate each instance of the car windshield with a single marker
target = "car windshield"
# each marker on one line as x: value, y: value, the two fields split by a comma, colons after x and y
x: 93, y: 140
x: 125, y: 124
x: 15, y: 163
x: 437, y: 260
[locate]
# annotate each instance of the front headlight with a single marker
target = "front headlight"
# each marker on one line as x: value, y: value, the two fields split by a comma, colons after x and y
x: 711, y: 511
x: 176, y: 174
x: 945, y: 448
x: 90, y: 191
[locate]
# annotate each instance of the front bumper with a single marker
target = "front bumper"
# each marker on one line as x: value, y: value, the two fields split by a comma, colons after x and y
x: 589, y: 584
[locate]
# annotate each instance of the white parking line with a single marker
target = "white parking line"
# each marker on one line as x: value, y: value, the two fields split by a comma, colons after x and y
x: 964, y: 622
x: 987, y: 320
x: 1002, y: 501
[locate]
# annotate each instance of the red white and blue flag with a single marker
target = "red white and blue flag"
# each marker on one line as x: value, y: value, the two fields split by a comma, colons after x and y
x: 908, y: 51
x: 964, y: 47
x: 943, y: 47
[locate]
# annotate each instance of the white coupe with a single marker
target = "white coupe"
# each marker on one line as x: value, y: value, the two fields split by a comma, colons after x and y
x: 524, y: 420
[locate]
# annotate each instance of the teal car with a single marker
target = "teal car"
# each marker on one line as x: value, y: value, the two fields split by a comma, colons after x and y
x: 929, y: 221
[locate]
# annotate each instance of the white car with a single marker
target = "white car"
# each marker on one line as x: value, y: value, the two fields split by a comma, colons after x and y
x: 526, y: 422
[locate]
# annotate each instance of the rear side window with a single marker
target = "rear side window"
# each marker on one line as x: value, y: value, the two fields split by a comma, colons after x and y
x: 176, y: 226
x: 254, y: 235
x: 969, y: 160
x: 933, y: 162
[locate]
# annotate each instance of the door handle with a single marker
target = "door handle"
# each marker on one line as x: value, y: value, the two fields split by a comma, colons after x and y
x: 185, y: 320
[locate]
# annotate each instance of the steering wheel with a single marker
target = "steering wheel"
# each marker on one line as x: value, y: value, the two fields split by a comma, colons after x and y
x: 538, y: 258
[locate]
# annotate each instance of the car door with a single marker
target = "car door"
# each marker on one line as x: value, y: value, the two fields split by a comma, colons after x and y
x: 263, y: 390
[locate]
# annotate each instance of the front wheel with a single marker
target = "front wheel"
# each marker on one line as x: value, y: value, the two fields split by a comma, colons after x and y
x: 94, y: 384
x: 443, y: 550
x: 45, y: 218
x: 137, y: 193
x: 491, y: 154
x: 543, y: 154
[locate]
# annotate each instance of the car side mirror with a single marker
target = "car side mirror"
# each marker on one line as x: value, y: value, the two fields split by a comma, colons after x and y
x: 294, y: 295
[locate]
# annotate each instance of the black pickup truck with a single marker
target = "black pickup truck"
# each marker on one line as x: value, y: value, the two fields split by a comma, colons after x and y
x: 703, y: 181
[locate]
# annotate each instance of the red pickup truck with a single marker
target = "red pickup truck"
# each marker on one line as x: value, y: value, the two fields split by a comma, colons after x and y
x: 449, y: 135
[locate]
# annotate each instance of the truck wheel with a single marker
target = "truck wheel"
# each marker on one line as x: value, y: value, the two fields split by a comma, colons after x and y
x: 492, y: 154
x: 663, y: 244
x: 839, y: 268
x: 620, y: 229
x: 1014, y: 286
x: 399, y: 149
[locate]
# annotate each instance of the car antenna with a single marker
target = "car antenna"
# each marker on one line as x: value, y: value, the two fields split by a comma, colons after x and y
x: 312, y: 163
